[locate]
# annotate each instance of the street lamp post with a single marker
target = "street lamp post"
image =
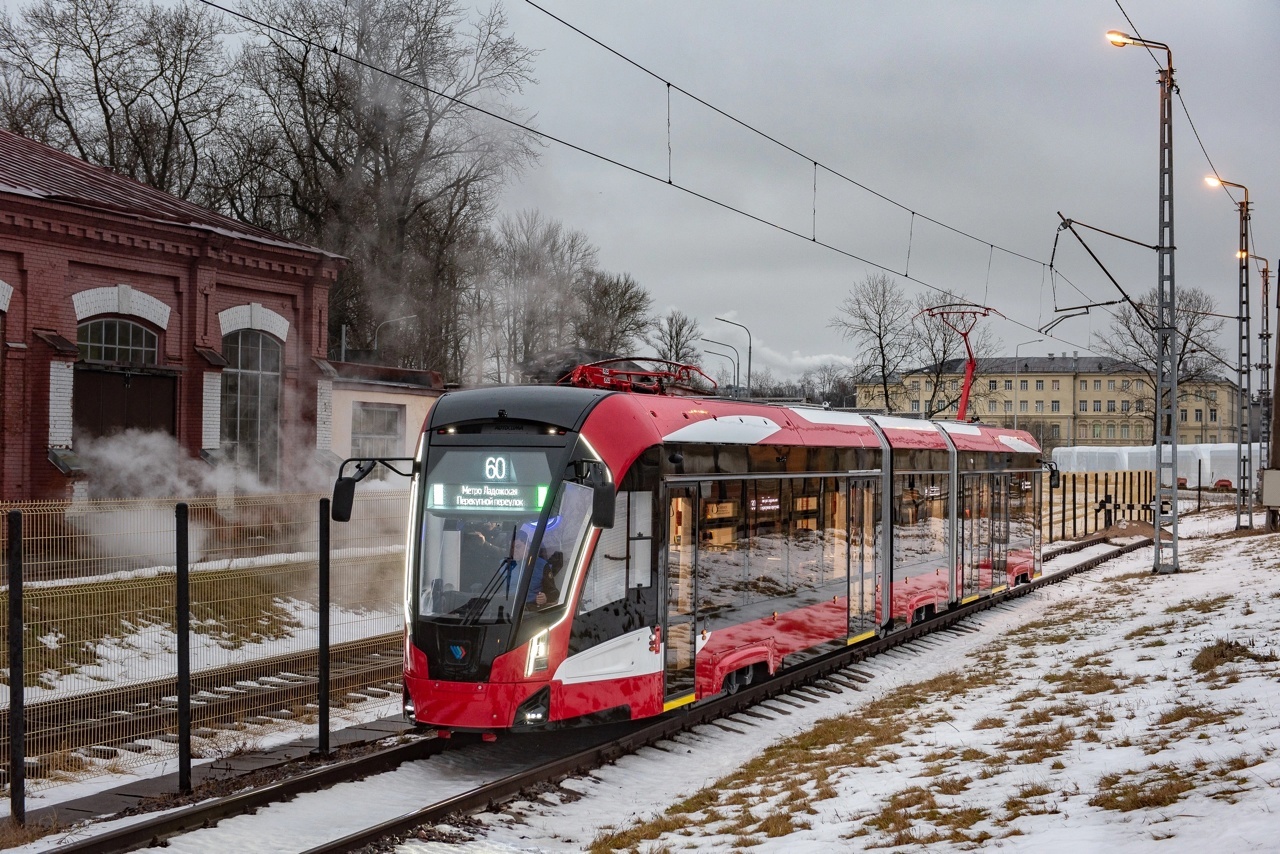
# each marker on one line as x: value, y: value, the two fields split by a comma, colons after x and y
x: 748, y: 331
x: 1166, y: 327
x: 1015, y: 379
x: 729, y: 358
x: 378, y: 328
x: 737, y: 358
x: 1244, y: 368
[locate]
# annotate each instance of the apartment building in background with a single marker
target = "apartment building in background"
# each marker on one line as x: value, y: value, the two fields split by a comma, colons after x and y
x: 1063, y: 400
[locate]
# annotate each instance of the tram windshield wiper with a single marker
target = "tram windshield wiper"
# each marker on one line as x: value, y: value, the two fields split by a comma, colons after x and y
x: 474, y: 609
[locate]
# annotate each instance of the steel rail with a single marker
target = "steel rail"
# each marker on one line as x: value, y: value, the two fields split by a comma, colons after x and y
x: 93, y: 718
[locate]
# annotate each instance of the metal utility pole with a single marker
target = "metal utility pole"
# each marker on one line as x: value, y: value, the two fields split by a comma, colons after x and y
x: 1165, y: 511
x: 1264, y: 377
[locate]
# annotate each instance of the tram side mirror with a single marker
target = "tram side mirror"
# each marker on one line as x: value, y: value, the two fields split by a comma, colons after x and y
x: 344, y: 496
x: 603, y: 499
x: 344, y: 489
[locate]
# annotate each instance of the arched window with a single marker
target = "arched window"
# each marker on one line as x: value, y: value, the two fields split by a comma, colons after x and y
x: 251, y: 403
x: 115, y: 341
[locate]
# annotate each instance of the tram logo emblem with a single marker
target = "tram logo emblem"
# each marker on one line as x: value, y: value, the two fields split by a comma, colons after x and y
x: 458, y: 651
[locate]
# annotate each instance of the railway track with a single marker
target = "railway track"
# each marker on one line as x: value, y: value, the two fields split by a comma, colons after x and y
x: 805, y: 683
x: 103, y: 723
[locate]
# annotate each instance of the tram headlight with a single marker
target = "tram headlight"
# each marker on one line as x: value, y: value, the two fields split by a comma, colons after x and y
x: 538, y: 653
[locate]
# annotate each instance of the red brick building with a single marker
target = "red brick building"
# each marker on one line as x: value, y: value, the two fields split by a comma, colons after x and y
x: 124, y: 307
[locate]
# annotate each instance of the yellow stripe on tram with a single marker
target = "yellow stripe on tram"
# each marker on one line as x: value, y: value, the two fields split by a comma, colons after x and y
x: 1000, y: 589
x: 861, y: 637
x: 678, y: 702
x: 974, y: 598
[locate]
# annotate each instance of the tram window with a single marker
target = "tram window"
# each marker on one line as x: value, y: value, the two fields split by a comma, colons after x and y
x: 621, y: 561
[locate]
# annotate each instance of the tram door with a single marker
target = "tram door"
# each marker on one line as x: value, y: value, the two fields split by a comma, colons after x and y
x: 984, y: 534
x: 679, y: 594
x: 1002, y: 486
x: 975, y: 536
x: 864, y: 506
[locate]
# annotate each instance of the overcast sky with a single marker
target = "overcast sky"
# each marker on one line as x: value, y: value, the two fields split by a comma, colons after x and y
x: 989, y: 117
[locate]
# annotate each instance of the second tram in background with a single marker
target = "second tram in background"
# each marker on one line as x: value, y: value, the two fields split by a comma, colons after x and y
x: 592, y: 554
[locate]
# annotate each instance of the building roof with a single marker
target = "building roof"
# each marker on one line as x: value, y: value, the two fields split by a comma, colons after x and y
x: 32, y: 169
x: 1034, y: 365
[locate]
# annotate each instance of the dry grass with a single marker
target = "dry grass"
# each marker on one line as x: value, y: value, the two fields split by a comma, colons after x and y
x: 1158, y: 786
x: 629, y: 840
x: 1200, y: 606
x: 1222, y: 652
x: 1154, y: 628
x: 13, y: 834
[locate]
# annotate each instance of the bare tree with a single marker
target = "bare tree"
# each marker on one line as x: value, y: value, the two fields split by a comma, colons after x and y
x: 539, y: 268
x: 613, y: 312
x: 139, y: 89
x: 393, y: 172
x: 876, y: 318
x: 830, y: 382
x: 675, y: 336
x: 1131, y: 341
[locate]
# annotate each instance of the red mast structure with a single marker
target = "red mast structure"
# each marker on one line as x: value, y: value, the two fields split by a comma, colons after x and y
x: 962, y: 317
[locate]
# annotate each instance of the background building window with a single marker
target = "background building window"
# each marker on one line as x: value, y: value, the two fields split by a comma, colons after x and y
x: 1055, y: 431
x: 1039, y: 385
x: 116, y: 341
x: 1055, y: 406
x: 251, y: 403
x: 377, y: 430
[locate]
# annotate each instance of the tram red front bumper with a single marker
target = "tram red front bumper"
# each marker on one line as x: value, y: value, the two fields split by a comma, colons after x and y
x: 468, y: 705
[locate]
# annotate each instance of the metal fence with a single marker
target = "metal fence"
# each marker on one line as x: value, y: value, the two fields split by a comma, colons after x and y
x: 99, y: 616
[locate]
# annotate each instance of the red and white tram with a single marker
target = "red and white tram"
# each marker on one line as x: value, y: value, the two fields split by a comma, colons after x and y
x: 581, y: 554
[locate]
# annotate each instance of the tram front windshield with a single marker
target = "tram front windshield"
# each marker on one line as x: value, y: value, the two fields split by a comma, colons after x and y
x: 482, y: 556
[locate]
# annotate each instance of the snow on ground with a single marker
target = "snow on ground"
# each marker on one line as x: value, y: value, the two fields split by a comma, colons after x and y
x: 1073, y: 720
x: 1098, y: 735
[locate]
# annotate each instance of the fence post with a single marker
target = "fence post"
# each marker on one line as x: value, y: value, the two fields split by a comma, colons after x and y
x: 1050, y: 513
x: 322, y: 694
x: 1199, y: 483
x: 17, y: 678
x: 1075, y: 508
x: 183, y: 629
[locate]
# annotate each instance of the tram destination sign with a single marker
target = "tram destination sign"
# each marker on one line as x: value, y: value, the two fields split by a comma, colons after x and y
x: 493, y: 497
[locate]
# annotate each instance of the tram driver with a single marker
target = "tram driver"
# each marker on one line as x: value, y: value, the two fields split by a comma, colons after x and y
x: 542, y: 586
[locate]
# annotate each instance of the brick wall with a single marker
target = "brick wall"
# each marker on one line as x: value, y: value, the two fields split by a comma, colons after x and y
x: 61, y: 264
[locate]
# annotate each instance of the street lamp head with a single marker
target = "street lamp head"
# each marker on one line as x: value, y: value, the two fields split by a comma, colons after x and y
x: 1118, y: 38
x: 1213, y: 180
